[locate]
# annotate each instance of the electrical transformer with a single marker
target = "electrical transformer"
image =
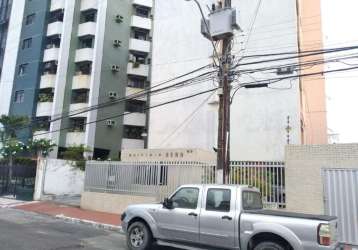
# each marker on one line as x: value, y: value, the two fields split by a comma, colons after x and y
x: 221, y: 23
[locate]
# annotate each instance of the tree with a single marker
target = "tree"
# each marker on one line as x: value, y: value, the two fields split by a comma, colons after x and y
x: 10, y: 124
x: 41, y: 147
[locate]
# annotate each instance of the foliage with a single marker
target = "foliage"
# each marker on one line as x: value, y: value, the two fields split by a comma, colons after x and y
x: 43, y: 97
x: 41, y: 146
x: 10, y: 124
x: 75, y: 154
x: 11, y: 147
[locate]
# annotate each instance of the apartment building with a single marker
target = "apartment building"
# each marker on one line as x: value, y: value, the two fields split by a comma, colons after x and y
x: 69, y: 55
x: 263, y: 121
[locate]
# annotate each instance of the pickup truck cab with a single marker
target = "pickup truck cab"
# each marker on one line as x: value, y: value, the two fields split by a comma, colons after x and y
x: 224, y: 217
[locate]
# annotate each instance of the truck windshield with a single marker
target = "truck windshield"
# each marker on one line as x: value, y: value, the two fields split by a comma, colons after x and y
x: 251, y: 200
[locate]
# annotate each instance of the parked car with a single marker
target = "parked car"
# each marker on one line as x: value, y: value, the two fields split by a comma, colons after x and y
x: 224, y: 217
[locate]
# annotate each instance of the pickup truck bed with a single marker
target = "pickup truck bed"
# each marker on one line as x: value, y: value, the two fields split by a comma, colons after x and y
x: 292, y: 215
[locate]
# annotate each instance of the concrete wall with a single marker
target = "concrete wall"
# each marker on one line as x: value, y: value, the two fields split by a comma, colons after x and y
x: 111, y: 203
x: 313, y: 94
x: 197, y: 155
x: 304, y: 188
x: 259, y: 116
x: 57, y: 178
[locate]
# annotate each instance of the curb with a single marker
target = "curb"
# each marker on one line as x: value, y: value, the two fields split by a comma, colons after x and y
x: 90, y: 223
x: 14, y: 205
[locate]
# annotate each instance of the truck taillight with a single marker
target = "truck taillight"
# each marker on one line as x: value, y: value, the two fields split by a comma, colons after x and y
x: 324, y: 235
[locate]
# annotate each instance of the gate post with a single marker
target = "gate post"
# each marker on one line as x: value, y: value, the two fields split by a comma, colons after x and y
x: 40, y: 178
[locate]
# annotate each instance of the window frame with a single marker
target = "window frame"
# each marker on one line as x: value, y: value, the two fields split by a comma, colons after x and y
x: 19, y: 96
x: 30, y: 19
x: 214, y: 210
x: 243, y: 204
x: 26, y: 43
x: 22, y: 69
x: 197, y: 202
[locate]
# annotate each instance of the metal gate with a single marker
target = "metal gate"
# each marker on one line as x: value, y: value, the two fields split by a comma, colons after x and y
x: 21, y: 186
x: 341, y: 199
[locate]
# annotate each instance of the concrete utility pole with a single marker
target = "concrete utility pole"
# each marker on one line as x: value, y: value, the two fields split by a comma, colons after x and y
x: 220, y: 26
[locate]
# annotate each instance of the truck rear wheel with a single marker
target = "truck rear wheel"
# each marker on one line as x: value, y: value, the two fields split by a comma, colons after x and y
x: 269, y: 245
x: 139, y: 237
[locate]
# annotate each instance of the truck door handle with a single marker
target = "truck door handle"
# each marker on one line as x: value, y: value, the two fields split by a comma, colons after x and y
x: 193, y: 214
x: 226, y: 217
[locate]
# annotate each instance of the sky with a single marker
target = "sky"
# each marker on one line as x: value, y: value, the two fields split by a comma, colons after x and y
x: 340, y: 19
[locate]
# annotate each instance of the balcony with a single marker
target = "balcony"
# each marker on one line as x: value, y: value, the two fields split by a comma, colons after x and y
x: 89, y: 5
x: 135, y: 119
x: 132, y: 144
x: 57, y: 5
x: 138, y: 69
x: 42, y: 134
x: 87, y: 29
x: 132, y: 91
x: 139, y: 45
x: 48, y: 81
x: 145, y: 3
x: 44, y: 109
x: 51, y: 54
x: 84, y: 55
x: 54, y: 28
x: 141, y: 22
x: 78, y: 107
x: 75, y: 138
x: 81, y: 82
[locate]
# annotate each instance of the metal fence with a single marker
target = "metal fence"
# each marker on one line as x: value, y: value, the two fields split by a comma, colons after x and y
x: 159, y: 179
x: 341, y: 200
x: 269, y: 177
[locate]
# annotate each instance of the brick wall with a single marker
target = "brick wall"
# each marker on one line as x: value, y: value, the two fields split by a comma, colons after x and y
x: 304, y: 188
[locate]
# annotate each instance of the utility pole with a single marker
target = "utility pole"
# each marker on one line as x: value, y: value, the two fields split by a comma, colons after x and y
x: 223, y: 154
x: 220, y: 26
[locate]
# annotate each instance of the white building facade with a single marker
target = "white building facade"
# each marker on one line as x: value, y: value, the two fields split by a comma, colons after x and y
x: 263, y: 121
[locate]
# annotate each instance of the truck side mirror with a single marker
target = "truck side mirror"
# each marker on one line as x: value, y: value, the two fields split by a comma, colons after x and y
x: 168, y: 203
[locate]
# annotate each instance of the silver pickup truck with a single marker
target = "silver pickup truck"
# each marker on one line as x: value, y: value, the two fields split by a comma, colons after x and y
x: 224, y: 217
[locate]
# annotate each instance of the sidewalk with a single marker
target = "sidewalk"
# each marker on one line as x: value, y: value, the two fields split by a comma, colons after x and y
x: 74, y: 214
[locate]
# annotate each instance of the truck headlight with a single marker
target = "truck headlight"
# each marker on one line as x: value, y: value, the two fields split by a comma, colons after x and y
x: 324, y: 235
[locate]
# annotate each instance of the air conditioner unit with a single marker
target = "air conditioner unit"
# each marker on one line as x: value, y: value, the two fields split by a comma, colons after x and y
x: 110, y: 123
x: 115, y: 68
x: 285, y: 70
x: 132, y: 58
x: 112, y: 95
x: 119, y: 18
x: 117, y: 43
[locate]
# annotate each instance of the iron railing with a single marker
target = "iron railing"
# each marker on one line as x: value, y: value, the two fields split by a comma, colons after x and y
x: 160, y: 179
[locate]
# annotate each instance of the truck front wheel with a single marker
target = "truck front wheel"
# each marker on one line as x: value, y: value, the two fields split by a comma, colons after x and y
x: 269, y: 245
x: 139, y: 237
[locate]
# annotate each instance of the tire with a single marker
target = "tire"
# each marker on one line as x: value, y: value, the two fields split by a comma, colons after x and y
x: 139, y: 237
x: 269, y: 245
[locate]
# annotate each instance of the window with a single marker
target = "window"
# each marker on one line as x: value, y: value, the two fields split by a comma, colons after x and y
x: 186, y: 198
x: 19, y: 96
x: 143, y: 12
x: 30, y: 19
x: 27, y: 43
x: 77, y: 125
x: 251, y: 200
x: 141, y: 35
x: 133, y: 132
x: 22, y: 69
x: 218, y: 200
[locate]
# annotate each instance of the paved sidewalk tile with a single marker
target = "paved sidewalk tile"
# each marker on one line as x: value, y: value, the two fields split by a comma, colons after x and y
x: 59, y: 210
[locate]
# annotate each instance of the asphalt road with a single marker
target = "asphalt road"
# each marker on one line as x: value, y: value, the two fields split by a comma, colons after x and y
x: 28, y: 231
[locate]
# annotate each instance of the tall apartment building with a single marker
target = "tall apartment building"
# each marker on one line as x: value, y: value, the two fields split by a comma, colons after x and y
x: 263, y: 121
x: 64, y: 56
